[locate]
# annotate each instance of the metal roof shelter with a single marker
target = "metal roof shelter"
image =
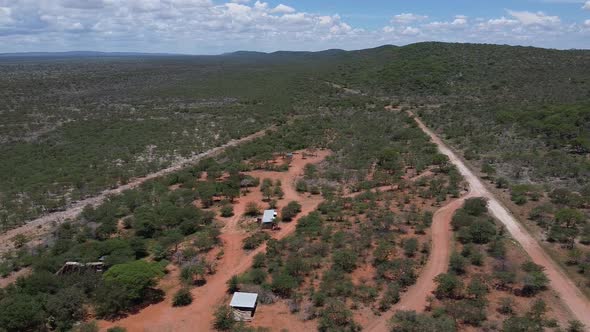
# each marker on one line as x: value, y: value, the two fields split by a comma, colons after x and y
x: 244, y: 300
x: 269, y: 216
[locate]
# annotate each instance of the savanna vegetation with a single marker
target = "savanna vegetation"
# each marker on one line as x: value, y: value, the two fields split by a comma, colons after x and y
x: 73, y: 128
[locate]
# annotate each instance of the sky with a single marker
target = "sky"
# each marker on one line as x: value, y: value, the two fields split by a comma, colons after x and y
x: 219, y: 26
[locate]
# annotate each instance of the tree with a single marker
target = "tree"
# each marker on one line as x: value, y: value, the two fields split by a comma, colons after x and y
x: 475, y: 206
x: 290, y: 211
x: 488, y: 169
x: 448, y: 286
x: 569, y: 218
x: 533, y: 282
x: 116, y: 329
x: 66, y: 307
x: 477, y: 289
x: 519, y: 324
x: 182, y: 298
x: 134, y: 278
x: 227, y: 211
x: 410, y: 321
x: 575, y: 326
x: 345, y: 260
x: 91, y: 326
x: 283, y: 284
x: 482, y: 232
x: 457, y: 263
x: 410, y: 246
x: 506, y: 306
x: 502, y: 183
x: 21, y: 312
x: 390, y: 297
x: 224, y: 319
x: 336, y: 317
x: 252, y: 209
x: 233, y: 284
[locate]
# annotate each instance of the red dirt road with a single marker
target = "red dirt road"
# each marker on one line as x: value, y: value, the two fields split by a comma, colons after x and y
x: 573, y: 298
x: 199, y: 315
x: 438, y: 262
x: 37, y: 228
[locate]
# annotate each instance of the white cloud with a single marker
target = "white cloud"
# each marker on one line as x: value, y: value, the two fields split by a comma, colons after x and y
x: 407, y: 18
x: 283, y: 9
x: 410, y: 31
x: 459, y: 22
x: 538, y: 18
x: 586, y: 5
x: 5, y: 16
x: 215, y: 26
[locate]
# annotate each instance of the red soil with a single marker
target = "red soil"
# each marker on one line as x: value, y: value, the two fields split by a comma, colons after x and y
x: 199, y: 315
x: 278, y: 317
x: 571, y: 295
x: 11, y: 278
x: 415, y: 298
x: 37, y: 229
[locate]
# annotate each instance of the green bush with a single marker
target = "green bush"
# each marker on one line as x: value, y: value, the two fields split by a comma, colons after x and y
x: 182, y: 298
x: 290, y: 211
x: 227, y: 211
x: 255, y: 240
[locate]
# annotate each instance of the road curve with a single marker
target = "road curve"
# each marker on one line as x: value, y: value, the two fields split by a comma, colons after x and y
x: 572, y: 297
x: 415, y: 298
x: 38, y: 227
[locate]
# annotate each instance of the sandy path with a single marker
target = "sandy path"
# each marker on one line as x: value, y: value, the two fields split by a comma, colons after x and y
x: 573, y: 298
x: 199, y: 315
x: 415, y: 298
x: 37, y: 228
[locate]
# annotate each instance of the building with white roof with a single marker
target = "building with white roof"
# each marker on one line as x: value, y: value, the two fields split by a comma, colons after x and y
x: 244, y: 305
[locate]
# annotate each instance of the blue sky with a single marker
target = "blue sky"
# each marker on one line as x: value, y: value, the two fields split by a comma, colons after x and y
x: 216, y: 26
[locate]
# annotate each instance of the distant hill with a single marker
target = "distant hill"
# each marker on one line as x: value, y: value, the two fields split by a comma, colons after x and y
x: 80, y: 54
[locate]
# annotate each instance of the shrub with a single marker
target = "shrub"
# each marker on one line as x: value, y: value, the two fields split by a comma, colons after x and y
x: 475, y: 206
x: 283, y: 284
x: 233, y: 284
x: 345, y: 260
x: 410, y: 246
x: 182, y: 298
x: 259, y: 260
x: 390, y: 297
x: 255, y: 240
x: 252, y: 209
x: 117, y: 329
x: 336, y: 317
x: 506, y: 306
x: 290, y: 211
x: 258, y: 276
x: 457, y: 263
x: 410, y: 321
x: 224, y: 319
x: 301, y: 186
x: 534, y: 282
x: 448, y: 286
x: 227, y: 211
x: 482, y: 232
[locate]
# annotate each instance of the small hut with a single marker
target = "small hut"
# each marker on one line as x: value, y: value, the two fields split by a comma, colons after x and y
x: 243, y: 306
x: 268, y: 218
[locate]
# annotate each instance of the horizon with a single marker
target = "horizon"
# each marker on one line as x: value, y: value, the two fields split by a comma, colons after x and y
x: 212, y: 27
x: 131, y: 53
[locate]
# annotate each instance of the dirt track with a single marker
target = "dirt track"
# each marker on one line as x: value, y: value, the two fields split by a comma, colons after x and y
x: 199, y: 315
x: 415, y: 298
x: 573, y: 298
x: 37, y: 228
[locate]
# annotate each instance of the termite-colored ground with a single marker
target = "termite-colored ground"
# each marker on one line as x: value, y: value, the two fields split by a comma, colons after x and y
x: 199, y: 315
